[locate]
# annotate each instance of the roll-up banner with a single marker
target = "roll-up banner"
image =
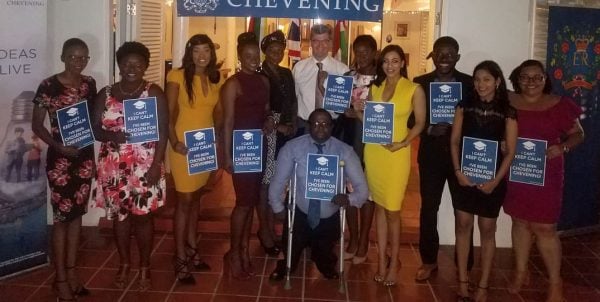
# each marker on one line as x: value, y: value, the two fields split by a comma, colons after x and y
x: 23, y: 222
x: 573, y: 62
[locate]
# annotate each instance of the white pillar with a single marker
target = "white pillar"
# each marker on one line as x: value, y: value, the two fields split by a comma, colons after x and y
x: 180, y: 37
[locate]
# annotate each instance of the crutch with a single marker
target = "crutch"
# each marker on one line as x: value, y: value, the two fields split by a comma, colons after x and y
x: 342, y: 190
x: 291, y: 215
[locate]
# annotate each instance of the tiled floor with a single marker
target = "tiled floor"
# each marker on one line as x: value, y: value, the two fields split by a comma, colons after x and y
x: 98, y: 263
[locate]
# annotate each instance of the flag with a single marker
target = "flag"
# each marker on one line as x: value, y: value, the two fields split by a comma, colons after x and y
x: 293, y: 43
x: 340, y: 41
x: 259, y: 27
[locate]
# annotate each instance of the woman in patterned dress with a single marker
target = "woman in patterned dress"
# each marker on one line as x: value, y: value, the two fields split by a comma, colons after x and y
x: 284, y: 109
x: 130, y: 179
x: 69, y: 170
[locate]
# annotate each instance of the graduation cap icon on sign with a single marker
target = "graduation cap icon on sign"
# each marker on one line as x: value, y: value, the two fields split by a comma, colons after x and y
x: 379, y: 108
x: 445, y: 88
x: 340, y: 80
x: 529, y: 145
x: 72, y: 112
x: 247, y: 136
x: 479, y: 145
x: 322, y: 161
x: 199, y: 136
x: 139, y: 105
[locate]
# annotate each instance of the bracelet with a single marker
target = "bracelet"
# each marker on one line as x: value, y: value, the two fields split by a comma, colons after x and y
x: 566, y: 148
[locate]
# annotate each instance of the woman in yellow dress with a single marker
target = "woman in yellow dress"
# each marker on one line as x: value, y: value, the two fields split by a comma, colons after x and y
x: 387, y: 167
x: 193, y: 93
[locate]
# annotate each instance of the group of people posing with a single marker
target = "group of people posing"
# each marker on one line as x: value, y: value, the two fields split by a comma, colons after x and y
x: 287, y: 106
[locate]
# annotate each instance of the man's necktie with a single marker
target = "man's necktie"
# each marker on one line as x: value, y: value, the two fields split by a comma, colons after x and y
x: 314, y: 205
x: 318, y: 93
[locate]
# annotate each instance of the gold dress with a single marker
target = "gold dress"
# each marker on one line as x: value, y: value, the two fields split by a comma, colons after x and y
x: 193, y: 116
x: 387, y: 172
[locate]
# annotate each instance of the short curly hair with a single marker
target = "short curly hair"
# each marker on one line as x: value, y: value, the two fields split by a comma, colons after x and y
x: 133, y: 47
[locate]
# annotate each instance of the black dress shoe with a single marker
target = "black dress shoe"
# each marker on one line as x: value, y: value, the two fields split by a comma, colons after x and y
x: 277, y: 274
x: 331, y: 275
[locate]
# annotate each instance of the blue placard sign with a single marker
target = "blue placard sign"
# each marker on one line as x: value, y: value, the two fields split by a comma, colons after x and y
x: 529, y: 165
x: 141, y: 120
x: 479, y: 158
x: 74, y: 125
x: 321, y: 176
x: 247, y: 150
x: 443, y: 97
x: 202, y: 151
x: 338, y: 93
x: 365, y: 10
x: 378, y: 123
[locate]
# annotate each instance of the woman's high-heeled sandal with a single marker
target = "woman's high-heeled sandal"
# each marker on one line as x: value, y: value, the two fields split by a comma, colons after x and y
x: 122, y: 277
x: 144, y: 281
x: 272, y: 251
x: 182, y: 271
x: 55, y: 286
x: 195, y: 260
x: 79, y: 289
x: 481, y: 293
x: 520, y: 278
x: 462, y: 298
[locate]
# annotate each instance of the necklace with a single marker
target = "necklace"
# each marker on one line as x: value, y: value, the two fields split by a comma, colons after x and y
x: 133, y: 92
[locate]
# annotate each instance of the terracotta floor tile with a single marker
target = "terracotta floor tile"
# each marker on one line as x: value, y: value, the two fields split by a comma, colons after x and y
x: 161, y: 281
x: 14, y: 292
x: 99, y: 243
x: 233, y: 298
x: 104, y: 279
x: 272, y: 264
x: 269, y: 299
x: 186, y: 297
x: 213, y: 247
x: 92, y: 258
x: 276, y: 288
x: 42, y: 294
x: 36, y: 277
x: 162, y: 262
x: 103, y: 296
x: 323, y: 289
x: 361, y: 272
x: 232, y: 286
x: 411, y: 292
x: 206, y: 283
x: 584, y: 265
x: 149, y: 296
x: 367, y: 290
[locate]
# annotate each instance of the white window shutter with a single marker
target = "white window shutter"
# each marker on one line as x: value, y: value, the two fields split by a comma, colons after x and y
x: 150, y: 30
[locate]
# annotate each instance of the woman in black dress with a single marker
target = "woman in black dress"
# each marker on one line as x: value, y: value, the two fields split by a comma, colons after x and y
x: 69, y: 170
x: 488, y: 115
x: 284, y: 108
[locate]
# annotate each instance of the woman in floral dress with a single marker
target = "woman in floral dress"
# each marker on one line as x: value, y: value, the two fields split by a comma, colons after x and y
x: 69, y: 170
x: 131, y: 179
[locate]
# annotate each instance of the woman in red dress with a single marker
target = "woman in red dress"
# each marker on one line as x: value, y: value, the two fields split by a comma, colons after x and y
x: 131, y: 177
x: 245, y: 101
x: 535, y: 209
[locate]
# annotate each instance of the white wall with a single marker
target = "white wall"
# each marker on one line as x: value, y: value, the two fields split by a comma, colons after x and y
x: 485, y: 30
x: 91, y: 21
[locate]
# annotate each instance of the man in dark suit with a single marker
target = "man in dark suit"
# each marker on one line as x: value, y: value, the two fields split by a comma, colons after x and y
x: 435, y: 163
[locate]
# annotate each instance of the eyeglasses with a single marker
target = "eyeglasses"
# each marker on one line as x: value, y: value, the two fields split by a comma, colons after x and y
x: 538, y: 78
x: 78, y: 58
x: 320, y: 124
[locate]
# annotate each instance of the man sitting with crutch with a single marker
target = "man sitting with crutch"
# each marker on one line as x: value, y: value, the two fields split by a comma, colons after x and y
x: 316, y: 223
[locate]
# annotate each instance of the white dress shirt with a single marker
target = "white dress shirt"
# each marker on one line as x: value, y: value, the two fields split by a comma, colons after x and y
x: 305, y: 78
